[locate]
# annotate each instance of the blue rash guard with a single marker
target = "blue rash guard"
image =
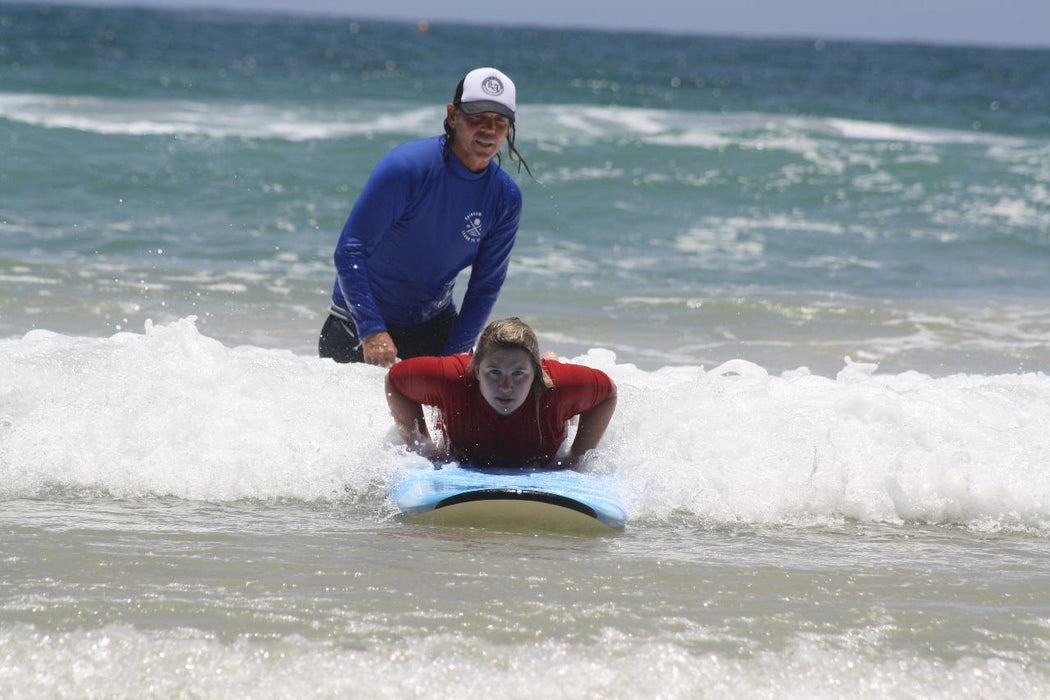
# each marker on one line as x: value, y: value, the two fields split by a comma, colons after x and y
x: 420, y: 220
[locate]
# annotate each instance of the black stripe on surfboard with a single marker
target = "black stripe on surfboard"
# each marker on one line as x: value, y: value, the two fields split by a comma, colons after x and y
x: 517, y: 495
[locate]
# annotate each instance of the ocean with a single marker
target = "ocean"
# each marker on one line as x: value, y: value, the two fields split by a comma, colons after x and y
x: 816, y: 270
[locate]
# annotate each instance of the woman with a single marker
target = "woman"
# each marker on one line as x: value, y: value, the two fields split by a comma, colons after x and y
x: 502, y: 406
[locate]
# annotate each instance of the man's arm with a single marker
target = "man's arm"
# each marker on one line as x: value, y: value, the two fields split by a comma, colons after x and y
x: 487, y: 273
x: 380, y: 204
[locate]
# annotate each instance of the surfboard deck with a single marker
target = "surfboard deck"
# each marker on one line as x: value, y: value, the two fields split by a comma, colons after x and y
x: 559, y: 500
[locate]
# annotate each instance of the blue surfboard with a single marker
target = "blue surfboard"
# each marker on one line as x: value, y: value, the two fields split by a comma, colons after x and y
x: 547, y: 499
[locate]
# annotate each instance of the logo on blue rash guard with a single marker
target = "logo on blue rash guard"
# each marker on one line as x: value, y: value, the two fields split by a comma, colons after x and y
x: 472, y: 232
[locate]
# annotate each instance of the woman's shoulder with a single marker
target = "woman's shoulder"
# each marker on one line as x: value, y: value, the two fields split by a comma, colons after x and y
x: 448, y: 367
x: 431, y: 380
x: 564, y: 373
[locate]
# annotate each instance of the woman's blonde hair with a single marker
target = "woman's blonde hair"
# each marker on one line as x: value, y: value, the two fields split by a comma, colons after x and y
x: 512, y: 334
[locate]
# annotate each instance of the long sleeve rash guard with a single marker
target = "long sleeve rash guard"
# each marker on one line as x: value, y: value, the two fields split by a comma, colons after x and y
x: 420, y: 220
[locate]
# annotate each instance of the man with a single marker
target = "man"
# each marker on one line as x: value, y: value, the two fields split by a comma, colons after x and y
x: 430, y: 209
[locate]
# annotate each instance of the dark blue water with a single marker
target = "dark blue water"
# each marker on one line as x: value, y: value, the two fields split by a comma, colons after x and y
x: 696, y: 198
x: 207, y: 55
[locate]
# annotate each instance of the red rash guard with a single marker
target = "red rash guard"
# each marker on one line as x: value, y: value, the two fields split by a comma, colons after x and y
x: 475, y: 432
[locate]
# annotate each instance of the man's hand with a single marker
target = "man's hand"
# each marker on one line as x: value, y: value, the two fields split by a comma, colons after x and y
x: 379, y: 349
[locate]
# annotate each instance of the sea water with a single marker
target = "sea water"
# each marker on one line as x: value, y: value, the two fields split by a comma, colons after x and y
x: 816, y: 271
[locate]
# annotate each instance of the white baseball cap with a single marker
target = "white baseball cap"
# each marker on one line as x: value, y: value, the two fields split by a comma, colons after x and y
x: 486, y: 90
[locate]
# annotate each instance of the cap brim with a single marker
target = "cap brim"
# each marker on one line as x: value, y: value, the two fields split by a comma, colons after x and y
x: 480, y: 106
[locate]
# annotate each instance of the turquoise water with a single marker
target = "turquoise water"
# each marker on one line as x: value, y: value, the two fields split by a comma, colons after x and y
x: 816, y: 271
x: 696, y: 199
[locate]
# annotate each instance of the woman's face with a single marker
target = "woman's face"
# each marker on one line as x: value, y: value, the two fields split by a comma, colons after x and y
x: 505, y: 378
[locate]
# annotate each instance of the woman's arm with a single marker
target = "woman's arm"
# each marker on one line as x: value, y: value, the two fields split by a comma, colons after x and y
x: 592, y: 426
x: 409, y: 421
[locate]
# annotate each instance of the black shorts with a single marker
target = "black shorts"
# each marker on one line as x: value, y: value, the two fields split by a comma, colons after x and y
x: 339, y: 339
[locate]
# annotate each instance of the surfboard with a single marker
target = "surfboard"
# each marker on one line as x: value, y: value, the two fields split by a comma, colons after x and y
x: 560, y: 500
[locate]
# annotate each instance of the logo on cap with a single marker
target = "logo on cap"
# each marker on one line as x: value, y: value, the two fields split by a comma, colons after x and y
x: 492, y: 86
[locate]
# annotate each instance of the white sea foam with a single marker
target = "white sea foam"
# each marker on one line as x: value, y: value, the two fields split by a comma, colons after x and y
x: 111, y: 660
x: 1012, y: 331
x: 836, y: 262
x: 173, y: 412
x: 29, y: 279
x: 555, y: 125
x: 146, y: 117
x: 555, y: 263
x: 879, y: 131
x: 722, y: 247
x: 740, y: 242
